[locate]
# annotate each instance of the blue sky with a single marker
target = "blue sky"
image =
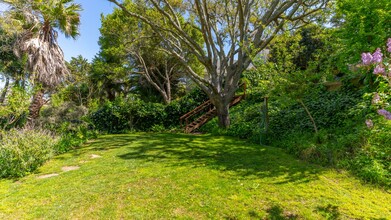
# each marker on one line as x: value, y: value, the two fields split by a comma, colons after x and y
x: 87, y: 43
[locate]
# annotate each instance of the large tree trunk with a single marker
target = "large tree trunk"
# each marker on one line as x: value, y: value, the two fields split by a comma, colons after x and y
x: 35, y: 107
x: 166, y: 98
x: 5, y: 90
x: 222, y: 110
x: 223, y: 116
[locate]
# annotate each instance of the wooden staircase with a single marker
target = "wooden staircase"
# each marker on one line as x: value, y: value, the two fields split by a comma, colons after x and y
x: 208, y: 112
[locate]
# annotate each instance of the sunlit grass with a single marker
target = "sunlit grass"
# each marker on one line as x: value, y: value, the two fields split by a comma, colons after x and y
x: 166, y: 176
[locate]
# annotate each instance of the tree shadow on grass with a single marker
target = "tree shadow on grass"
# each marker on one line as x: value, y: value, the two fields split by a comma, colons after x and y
x: 220, y: 153
x: 277, y: 213
x: 330, y: 212
x: 105, y: 143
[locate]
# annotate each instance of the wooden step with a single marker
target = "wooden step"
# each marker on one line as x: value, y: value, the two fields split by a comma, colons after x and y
x: 207, y: 116
x: 200, y: 121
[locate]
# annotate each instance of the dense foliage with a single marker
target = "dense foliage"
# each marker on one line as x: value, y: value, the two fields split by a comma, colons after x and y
x: 351, y: 122
x: 343, y: 140
x: 23, y: 151
x: 133, y: 114
x: 362, y: 27
x: 70, y: 122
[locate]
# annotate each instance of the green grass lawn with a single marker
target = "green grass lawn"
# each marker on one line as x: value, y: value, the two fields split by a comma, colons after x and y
x: 166, y: 176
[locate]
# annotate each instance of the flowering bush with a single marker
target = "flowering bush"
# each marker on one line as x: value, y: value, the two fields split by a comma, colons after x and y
x: 382, y: 68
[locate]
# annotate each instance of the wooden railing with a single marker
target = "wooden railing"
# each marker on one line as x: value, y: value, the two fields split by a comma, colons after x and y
x: 206, y: 106
x: 208, y: 112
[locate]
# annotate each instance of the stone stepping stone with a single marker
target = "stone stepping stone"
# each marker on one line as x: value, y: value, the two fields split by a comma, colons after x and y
x: 48, y: 175
x: 69, y: 168
x: 93, y: 156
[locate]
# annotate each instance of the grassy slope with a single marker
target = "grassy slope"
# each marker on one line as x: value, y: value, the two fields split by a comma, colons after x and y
x: 150, y: 176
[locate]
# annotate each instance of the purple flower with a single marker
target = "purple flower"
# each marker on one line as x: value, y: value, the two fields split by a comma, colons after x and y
x: 377, y: 56
x: 369, y: 123
x: 366, y: 58
x: 376, y: 98
x: 385, y: 113
x: 389, y: 45
x: 379, y: 70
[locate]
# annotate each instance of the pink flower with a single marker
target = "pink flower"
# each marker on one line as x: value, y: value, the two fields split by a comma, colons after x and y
x: 369, y: 123
x: 379, y: 70
x: 366, y: 58
x: 376, y: 98
x: 377, y: 56
x: 389, y: 45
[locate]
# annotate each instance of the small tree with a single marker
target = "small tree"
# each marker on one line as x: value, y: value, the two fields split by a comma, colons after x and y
x: 137, y: 53
x: 295, y: 65
x: 79, y: 89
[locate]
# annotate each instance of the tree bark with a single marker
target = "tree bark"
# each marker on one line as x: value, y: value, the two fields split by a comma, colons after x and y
x: 5, y: 90
x: 223, y: 116
x: 110, y: 94
x: 35, y: 107
x: 222, y: 111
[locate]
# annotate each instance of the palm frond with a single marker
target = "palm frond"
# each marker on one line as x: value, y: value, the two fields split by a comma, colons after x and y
x: 45, y: 61
x: 41, y: 21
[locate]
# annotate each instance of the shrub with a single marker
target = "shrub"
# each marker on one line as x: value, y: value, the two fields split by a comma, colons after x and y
x: 68, y: 121
x: 372, y: 162
x: 132, y: 113
x: 127, y: 114
x: 13, y: 113
x: 54, y: 117
x: 73, y: 138
x: 23, y: 151
x: 331, y: 110
x: 112, y: 117
x: 147, y: 115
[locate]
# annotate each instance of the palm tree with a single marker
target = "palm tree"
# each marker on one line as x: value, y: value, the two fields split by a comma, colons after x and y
x: 41, y: 21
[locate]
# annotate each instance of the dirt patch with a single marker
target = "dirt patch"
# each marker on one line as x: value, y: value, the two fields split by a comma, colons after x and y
x: 93, y: 156
x: 197, y: 133
x: 70, y: 168
x: 48, y: 176
x: 180, y: 211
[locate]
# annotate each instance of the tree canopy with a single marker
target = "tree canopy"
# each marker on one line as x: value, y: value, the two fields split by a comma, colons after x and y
x: 136, y: 53
x: 233, y: 33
